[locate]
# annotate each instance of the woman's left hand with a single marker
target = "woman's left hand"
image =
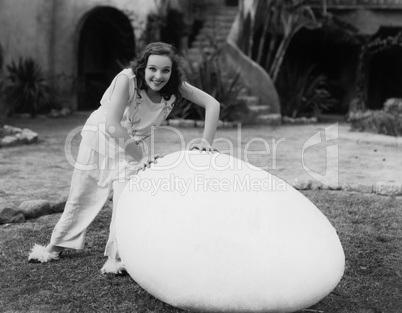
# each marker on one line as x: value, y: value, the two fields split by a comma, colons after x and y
x: 203, y: 146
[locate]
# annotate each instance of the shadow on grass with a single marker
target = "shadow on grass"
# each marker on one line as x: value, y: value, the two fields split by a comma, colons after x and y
x: 369, y: 226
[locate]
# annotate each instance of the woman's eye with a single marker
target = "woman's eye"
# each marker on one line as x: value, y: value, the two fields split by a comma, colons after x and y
x: 166, y: 71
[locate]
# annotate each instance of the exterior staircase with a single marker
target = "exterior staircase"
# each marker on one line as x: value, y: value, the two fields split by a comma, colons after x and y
x: 215, y: 30
x: 214, y: 33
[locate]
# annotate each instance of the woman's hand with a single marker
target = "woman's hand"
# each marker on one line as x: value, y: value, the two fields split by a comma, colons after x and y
x: 147, y: 161
x: 203, y: 146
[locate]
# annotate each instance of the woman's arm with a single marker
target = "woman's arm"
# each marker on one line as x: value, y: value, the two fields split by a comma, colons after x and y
x: 118, y: 102
x: 212, y: 108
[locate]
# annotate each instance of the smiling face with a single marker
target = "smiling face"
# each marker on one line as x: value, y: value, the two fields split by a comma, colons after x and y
x: 158, y: 71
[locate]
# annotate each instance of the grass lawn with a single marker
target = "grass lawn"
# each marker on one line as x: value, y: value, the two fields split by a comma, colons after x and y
x: 369, y: 226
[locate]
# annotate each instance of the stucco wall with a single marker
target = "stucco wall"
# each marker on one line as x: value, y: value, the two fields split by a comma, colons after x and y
x: 253, y: 76
x: 49, y: 30
x: 25, y: 30
x: 257, y: 80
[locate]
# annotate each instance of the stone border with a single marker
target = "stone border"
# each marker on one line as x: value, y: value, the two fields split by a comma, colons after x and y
x: 266, y: 119
x: 13, y: 136
x: 35, y: 208
x: 28, y: 210
x: 382, y: 188
x: 299, y: 120
x: 187, y: 123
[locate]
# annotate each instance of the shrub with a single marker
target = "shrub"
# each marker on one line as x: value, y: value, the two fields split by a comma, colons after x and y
x: 387, y: 121
x: 303, y: 92
x: 27, y: 90
x: 377, y: 121
x: 222, y: 84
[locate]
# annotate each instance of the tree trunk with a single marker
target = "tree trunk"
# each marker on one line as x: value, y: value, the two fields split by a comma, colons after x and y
x: 267, y: 23
x: 287, y: 29
x: 283, y: 50
x: 273, y: 43
x: 291, y: 27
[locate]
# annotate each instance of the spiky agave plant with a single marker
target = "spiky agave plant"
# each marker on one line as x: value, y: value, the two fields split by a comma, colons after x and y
x: 215, y: 79
x: 27, y: 89
x: 303, y: 92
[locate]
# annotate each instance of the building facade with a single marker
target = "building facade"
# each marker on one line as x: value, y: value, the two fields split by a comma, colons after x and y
x: 82, y: 44
x: 369, y: 68
x: 79, y: 44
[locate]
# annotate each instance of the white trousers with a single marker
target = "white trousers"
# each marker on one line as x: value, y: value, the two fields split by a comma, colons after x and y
x: 94, y: 177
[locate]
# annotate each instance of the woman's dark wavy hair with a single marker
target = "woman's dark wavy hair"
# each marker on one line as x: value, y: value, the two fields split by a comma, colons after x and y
x: 177, y: 76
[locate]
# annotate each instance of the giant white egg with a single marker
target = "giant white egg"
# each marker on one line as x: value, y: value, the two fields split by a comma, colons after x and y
x: 211, y: 233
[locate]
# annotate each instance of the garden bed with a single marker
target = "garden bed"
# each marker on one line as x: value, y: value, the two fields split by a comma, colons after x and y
x: 387, y: 121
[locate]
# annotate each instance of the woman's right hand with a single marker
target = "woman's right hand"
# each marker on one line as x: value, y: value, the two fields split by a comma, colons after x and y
x: 147, y: 161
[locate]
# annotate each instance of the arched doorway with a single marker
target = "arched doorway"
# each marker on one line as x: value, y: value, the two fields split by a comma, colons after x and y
x: 106, y: 44
x: 380, y: 69
x: 385, y: 78
x: 322, y: 57
x: 385, y: 69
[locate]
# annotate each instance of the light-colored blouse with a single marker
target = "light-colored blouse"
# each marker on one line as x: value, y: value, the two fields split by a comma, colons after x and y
x: 139, y: 117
